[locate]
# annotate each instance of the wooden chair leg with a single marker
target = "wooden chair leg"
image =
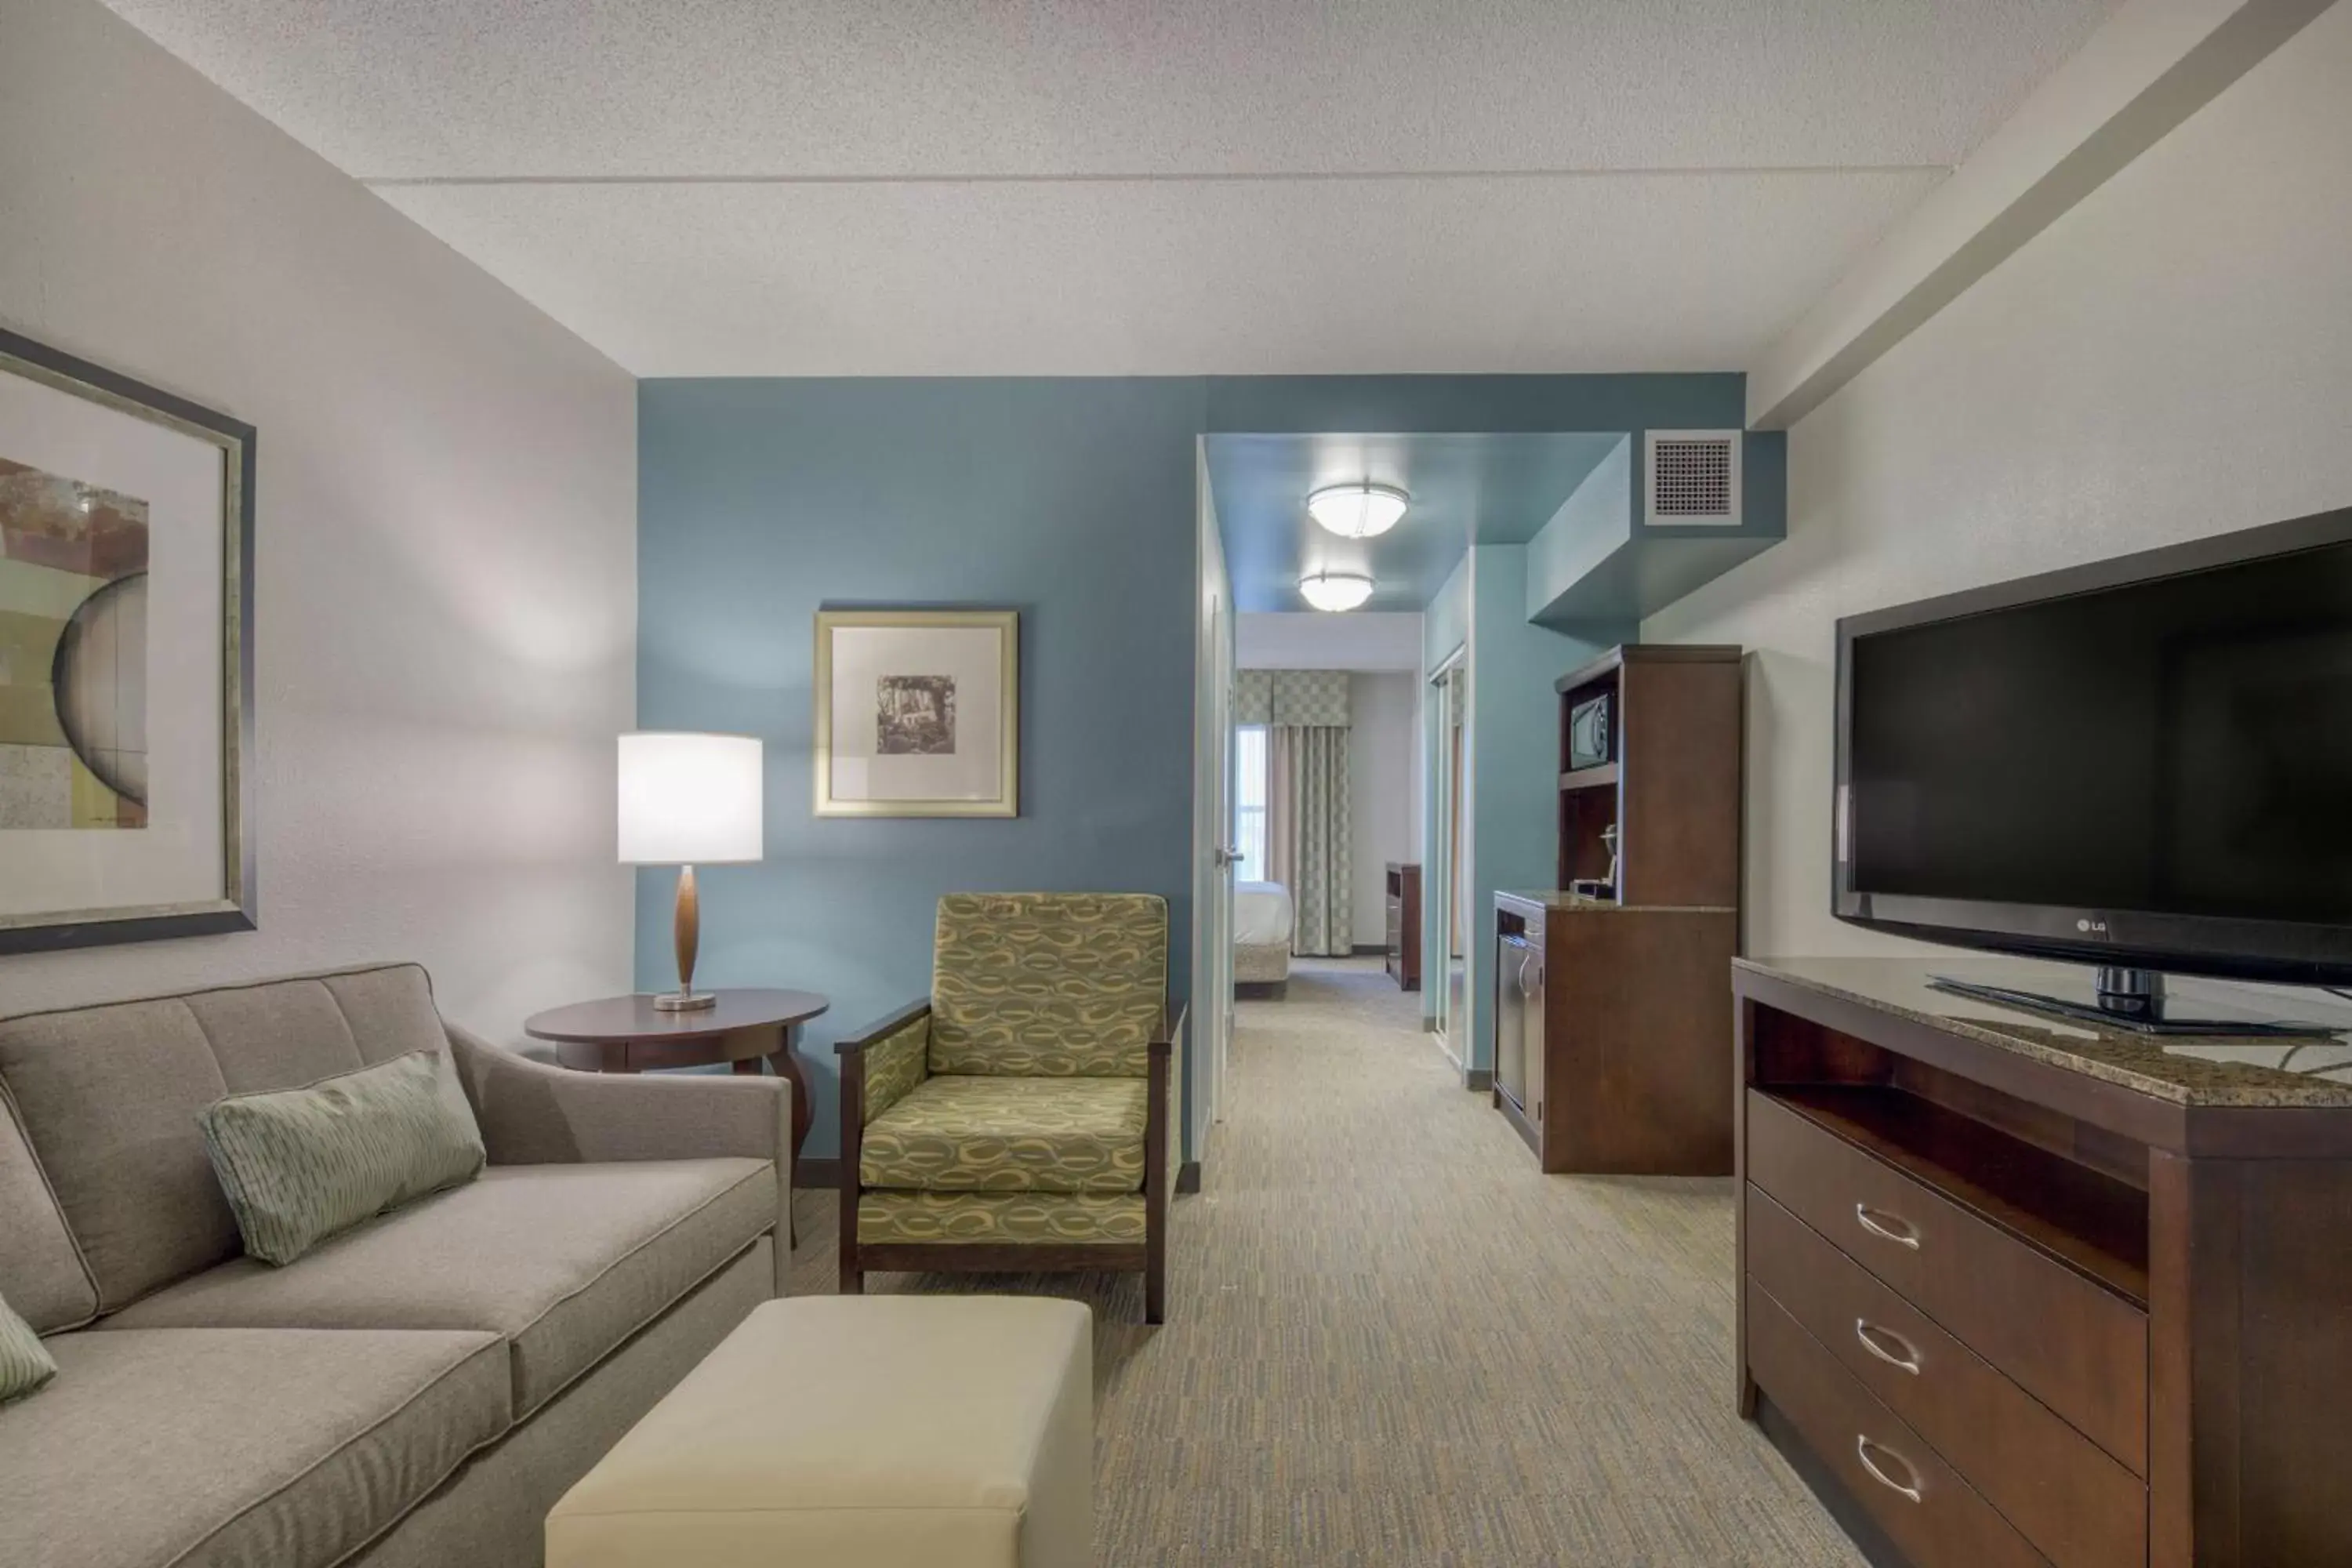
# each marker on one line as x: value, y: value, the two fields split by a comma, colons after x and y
x: 852, y: 1138
x: 1157, y: 1176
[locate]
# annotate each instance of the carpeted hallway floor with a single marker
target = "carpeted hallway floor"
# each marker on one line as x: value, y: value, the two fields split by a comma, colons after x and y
x: 1392, y: 1342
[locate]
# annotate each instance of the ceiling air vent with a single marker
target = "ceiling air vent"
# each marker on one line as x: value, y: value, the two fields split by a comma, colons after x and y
x: 1694, y: 478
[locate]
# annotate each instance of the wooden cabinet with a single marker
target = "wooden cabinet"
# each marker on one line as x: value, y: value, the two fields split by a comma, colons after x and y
x: 1612, y: 1025
x: 2017, y: 1295
x: 1612, y: 1028
x: 1650, y: 756
x: 1405, y: 925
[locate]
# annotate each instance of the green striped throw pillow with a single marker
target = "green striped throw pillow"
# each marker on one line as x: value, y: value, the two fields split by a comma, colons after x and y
x: 24, y: 1362
x: 299, y: 1164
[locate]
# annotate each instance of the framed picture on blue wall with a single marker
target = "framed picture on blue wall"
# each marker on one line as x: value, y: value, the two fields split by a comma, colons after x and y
x: 917, y: 713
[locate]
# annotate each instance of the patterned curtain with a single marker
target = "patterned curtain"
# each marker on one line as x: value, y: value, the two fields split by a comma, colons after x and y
x: 1309, y: 836
x: 1305, y: 713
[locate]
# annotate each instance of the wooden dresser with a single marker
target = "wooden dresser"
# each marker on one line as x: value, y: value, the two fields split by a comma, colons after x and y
x: 1405, y: 925
x: 2016, y: 1294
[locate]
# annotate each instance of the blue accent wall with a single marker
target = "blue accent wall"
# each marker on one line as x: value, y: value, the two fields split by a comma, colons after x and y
x: 1072, y: 501
x: 1513, y: 743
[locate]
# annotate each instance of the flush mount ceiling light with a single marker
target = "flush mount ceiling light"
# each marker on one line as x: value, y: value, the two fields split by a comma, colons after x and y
x: 1357, y: 511
x: 1335, y: 590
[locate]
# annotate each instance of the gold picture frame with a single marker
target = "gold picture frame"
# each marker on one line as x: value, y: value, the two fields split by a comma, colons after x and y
x: 916, y: 714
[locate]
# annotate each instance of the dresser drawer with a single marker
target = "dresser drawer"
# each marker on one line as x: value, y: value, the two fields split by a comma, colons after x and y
x: 1933, y: 1516
x: 2078, y: 1506
x: 2077, y: 1347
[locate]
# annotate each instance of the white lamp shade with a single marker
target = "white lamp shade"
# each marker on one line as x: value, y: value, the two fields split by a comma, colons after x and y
x: 1357, y: 511
x: 690, y: 800
x: 1335, y: 590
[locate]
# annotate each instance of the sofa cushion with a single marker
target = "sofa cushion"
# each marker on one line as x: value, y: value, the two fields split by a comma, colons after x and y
x: 1010, y: 1134
x: 1048, y: 985
x: 562, y: 1262
x: 43, y: 1275
x: 216, y: 1447
x: 109, y: 1098
x: 299, y: 1164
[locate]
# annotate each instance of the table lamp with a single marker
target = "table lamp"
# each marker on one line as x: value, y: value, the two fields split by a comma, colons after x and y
x: 689, y: 800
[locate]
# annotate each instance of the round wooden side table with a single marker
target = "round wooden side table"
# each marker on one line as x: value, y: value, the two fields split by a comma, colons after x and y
x: 628, y: 1033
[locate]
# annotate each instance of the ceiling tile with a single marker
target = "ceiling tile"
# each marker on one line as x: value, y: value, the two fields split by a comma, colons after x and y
x: 497, y: 88
x: 1590, y: 274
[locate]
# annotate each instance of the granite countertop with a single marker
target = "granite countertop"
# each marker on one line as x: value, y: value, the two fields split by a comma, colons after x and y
x: 1556, y: 898
x: 2220, y: 1070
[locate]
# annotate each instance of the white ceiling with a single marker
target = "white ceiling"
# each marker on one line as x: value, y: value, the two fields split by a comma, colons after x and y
x: 1076, y: 186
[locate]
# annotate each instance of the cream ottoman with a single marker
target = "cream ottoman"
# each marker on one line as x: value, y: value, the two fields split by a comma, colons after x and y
x: 857, y: 1432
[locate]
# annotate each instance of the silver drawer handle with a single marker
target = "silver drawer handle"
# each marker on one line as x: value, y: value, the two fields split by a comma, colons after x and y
x: 1909, y: 1235
x: 1870, y: 1333
x: 1861, y: 1447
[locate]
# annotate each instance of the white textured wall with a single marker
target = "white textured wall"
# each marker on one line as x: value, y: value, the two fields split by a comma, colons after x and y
x: 447, y: 529
x: 1383, y: 790
x: 2172, y: 359
x: 1310, y: 640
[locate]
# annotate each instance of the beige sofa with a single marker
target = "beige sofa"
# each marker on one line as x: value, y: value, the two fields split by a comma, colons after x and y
x: 418, y: 1391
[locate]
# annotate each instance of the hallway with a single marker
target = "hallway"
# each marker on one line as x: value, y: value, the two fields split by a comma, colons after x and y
x: 1392, y: 1341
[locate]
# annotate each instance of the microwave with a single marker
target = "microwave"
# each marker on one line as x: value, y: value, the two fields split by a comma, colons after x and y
x: 1588, y: 733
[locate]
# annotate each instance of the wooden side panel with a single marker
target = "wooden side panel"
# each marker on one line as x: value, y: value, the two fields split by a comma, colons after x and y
x: 1637, y: 1028
x: 2250, y: 1361
x: 1680, y: 815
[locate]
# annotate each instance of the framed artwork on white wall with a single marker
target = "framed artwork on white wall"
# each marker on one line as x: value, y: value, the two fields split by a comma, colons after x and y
x: 917, y: 713
x: 126, y: 658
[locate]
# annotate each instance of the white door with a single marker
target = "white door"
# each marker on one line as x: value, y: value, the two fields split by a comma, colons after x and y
x: 1443, y: 872
x: 1221, y: 946
x: 1210, y: 1029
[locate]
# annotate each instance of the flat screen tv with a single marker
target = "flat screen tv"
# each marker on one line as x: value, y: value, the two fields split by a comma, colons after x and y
x: 2143, y: 764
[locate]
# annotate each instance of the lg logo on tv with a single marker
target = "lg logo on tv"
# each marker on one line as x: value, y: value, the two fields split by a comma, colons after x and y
x: 2089, y: 927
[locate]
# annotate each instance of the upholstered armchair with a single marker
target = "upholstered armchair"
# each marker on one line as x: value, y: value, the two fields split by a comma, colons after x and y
x: 1019, y: 1119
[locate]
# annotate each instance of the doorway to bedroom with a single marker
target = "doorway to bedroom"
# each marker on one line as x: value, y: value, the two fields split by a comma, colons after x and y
x: 1326, y: 816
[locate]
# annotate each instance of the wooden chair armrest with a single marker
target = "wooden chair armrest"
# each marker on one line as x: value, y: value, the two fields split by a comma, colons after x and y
x: 882, y: 1028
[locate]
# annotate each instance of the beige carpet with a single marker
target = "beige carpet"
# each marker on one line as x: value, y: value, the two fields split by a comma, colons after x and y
x: 1390, y: 1341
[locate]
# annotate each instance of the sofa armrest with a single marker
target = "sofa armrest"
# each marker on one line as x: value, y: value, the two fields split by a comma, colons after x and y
x: 534, y: 1114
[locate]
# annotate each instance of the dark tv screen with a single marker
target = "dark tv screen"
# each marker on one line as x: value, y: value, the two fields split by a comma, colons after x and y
x: 2179, y: 746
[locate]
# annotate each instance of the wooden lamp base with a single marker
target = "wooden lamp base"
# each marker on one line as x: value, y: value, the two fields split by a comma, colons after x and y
x: 686, y: 925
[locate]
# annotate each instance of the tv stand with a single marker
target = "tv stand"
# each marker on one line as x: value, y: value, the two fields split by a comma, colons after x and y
x: 2133, y: 999
x: 2026, y: 1300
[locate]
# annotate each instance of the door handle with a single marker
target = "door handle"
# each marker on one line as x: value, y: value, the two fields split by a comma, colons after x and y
x: 1228, y: 856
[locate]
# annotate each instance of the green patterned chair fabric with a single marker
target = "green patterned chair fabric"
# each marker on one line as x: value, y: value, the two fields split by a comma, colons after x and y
x: 1048, y: 985
x: 983, y: 1217
x: 997, y: 1135
x: 894, y: 1064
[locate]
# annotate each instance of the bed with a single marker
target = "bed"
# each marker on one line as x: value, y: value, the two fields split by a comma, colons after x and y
x: 1262, y: 922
